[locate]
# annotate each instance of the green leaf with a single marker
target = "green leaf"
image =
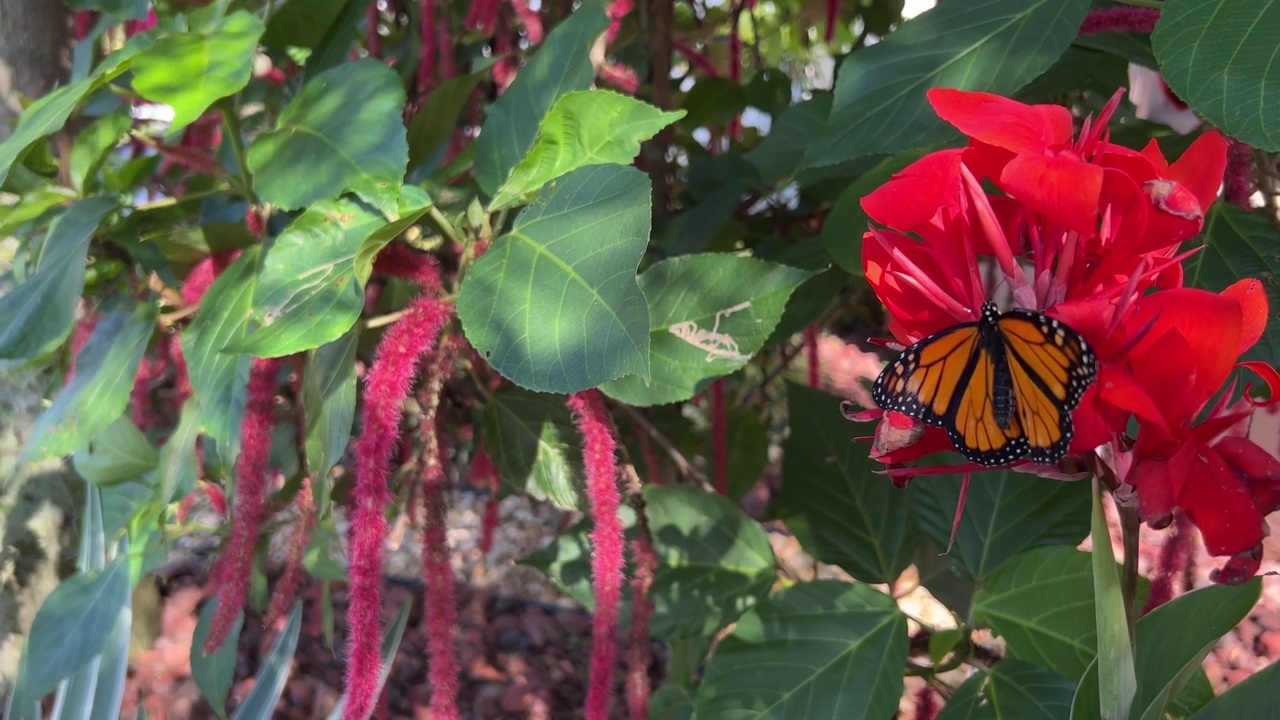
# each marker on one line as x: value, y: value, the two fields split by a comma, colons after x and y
x: 749, y: 439
x: 1219, y: 57
x: 714, y: 562
x: 273, y: 673
x: 37, y: 315
x: 214, y: 673
x: 843, y: 229
x: 778, y: 156
x: 1238, y: 245
x: 95, y: 142
x: 341, y: 132
x: 1005, y: 513
x: 996, y: 46
x: 1010, y: 690
x: 118, y: 453
x: 1041, y: 603
x: 1255, y: 697
x: 534, y: 445
x: 71, y: 628
x: 302, y: 23
x: 589, y: 127
x: 178, y: 465
x: 310, y: 288
x: 708, y: 314
x: 99, y: 391
x: 189, y: 71
x: 113, y: 663
x: 120, y: 9
x: 121, y: 501
x: 561, y: 65
x: 554, y: 305
x: 43, y: 118
x: 713, y: 101
x: 435, y: 122
x: 1134, y: 47
x: 218, y: 379
x: 841, y: 511
x: 670, y: 702
x: 567, y: 561
x: 1172, y: 642
x: 329, y: 402
x: 816, y: 650
x: 391, y: 637
x: 1118, y: 682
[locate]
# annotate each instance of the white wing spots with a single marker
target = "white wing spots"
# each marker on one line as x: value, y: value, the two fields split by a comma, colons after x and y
x: 717, y: 345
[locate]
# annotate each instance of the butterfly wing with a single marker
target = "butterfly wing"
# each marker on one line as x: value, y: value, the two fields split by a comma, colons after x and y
x: 1050, y: 366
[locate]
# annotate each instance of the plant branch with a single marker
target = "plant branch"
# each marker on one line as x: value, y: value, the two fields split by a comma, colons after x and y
x: 445, y: 226
x: 681, y: 462
x: 231, y: 119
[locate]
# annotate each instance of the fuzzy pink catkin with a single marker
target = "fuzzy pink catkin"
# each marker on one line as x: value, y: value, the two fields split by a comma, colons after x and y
x: 599, y: 456
x: 638, y: 654
x: 287, y: 586
x: 234, y: 568
x: 1120, y: 19
x: 427, y: 35
x: 531, y: 19
x: 1238, y: 184
x: 386, y: 387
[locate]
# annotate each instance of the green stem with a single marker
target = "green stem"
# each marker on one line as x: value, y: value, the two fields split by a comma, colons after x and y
x: 1129, y: 523
x: 445, y: 226
x: 231, y: 118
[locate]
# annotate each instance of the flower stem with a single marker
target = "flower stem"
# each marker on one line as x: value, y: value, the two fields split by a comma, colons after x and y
x: 1129, y: 578
x: 231, y: 119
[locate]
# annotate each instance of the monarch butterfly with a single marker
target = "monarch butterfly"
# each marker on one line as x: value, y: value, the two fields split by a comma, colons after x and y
x: 1002, y: 387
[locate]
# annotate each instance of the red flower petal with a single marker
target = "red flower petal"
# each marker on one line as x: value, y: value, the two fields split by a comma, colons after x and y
x: 1159, y: 480
x: 1219, y: 505
x: 1201, y: 167
x: 1062, y: 188
x: 1252, y: 297
x: 1002, y: 122
x: 914, y: 196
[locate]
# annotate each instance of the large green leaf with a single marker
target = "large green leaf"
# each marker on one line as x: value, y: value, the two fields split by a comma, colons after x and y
x: 554, y: 305
x: 815, y: 650
x: 43, y: 118
x: 37, y: 315
x: 561, y: 65
x: 534, y: 445
x: 178, y: 464
x: 218, y: 379
x: 260, y: 703
x: 1172, y: 642
x: 1011, y: 690
x: 1041, y: 603
x: 215, y: 672
x: 714, y: 562
x: 1005, y: 513
x: 1255, y: 697
x: 302, y: 23
x: 842, y: 511
x: 189, y: 71
x: 1238, y: 245
x: 588, y: 127
x: 329, y: 402
x: 341, y: 132
x: 844, y: 226
x: 70, y: 629
x: 1219, y: 57
x: 437, y: 119
x: 780, y: 153
x: 997, y: 46
x: 99, y: 391
x: 118, y: 453
x: 708, y: 314
x: 310, y: 288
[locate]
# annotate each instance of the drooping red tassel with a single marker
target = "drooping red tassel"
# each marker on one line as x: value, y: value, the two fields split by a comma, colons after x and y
x: 1120, y: 19
x: 427, y: 36
x: 833, y: 17
x: 811, y: 355
x: 372, y: 40
x: 287, y: 586
x: 638, y: 654
x: 1239, y: 183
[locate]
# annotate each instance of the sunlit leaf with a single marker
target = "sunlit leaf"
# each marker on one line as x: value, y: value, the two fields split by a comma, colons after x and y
x: 534, y: 445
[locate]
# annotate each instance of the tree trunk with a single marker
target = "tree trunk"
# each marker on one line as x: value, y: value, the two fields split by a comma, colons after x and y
x: 35, y: 53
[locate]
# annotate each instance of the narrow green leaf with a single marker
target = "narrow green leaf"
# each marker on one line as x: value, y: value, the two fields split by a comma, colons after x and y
x: 391, y: 637
x: 997, y: 46
x: 214, y: 673
x: 1010, y: 690
x: 708, y: 314
x: 561, y: 65
x: 37, y: 315
x: 71, y: 628
x: 113, y: 663
x: 841, y: 511
x: 99, y: 391
x: 534, y: 445
x: 177, y: 464
x: 843, y: 229
x: 329, y: 403
x: 341, y: 132
x: 118, y: 453
x: 435, y: 122
x: 749, y: 439
x: 714, y: 562
x: 1004, y: 514
x: 1219, y: 57
x: 189, y: 71
x: 218, y: 379
x: 95, y: 142
x: 588, y: 127
x: 1255, y: 697
x: 43, y: 118
x: 1239, y: 245
x: 554, y: 305
x: 1117, y: 680
x: 816, y: 650
x: 260, y: 704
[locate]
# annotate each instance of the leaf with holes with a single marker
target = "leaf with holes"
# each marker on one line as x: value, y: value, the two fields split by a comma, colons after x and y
x: 708, y: 314
x: 554, y: 305
x: 997, y: 46
x: 820, y: 650
x: 341, y: 132
x: 842, y: 511
x: 1219, y: 56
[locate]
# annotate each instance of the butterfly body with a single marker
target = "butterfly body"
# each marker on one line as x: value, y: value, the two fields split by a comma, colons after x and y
x: 1002, y: 387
